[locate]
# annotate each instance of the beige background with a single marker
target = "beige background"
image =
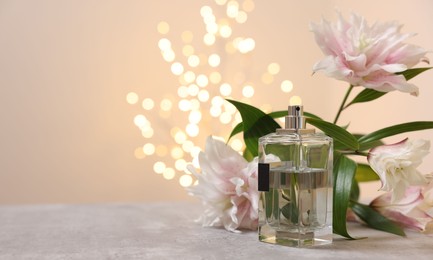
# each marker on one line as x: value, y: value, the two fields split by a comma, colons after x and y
x: 67, y: 132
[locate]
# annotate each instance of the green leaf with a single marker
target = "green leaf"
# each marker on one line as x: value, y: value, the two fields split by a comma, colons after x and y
x: 255, y: 125
x: 248, y: 155
x: 344, y: 171
x: 354, y: 193
x: 394, y: 130
x: 278, y: 114
x: 365, y: 173
x: 368, y: 145
x: 338, y: 133
x: 365, y: 96
x: 411, y: 73
x: 238, y: 128
x: 375, y: 220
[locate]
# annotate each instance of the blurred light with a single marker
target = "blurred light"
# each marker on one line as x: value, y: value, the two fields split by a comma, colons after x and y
x: 193, y: 90
x: 176, y: 153
x: 248, y: 5
x: 148, y: 104
x: 168, y: 55
x: 194, y: 116
x: 195, y: 151
x: 286, y: 86
x: 214, y: 60
x: 215, y: 77
x: 246, y: 45
x: 209, y: 39
x: 159, y: 167
x: 248, y: 91
x: 176, y: 68
x: 138, y: 153
x: 147, y: 132
x: 163, y: 27
x: 203, y: 95
x: 180, y: 137
x: 215, y: 111
x: 230, y: 48
x: 132, y: 98
x: 237, y: 145
x: 189, y: 76
x: 205, y: 11
x: 225, y: 89
x: 225, y: 31
x: 184, y: 105
x: 166, y: 104
x: 192, y: 130
x: 267, y: 78
x: 202, y: 80
x: 187, y: 146
x: 148, y: 149
x: 195, y: 104
x: 225, y: 118
x: 185, y: 180
x: 217, y: 101
x: 182, y: 91
x: 180, y: 164
x: 232, y: 9
x: 168, y: 173
x: 187, y: 36
x: 212, y: 28
x: 273, y: 68
x: 187, y: 50
x: 140, y: 121
x: 220, y: 2
x: 164, y: 44
x: 193, y: 61
x: 241, y: 17
x: 295, y: 100
x: 161, y: 150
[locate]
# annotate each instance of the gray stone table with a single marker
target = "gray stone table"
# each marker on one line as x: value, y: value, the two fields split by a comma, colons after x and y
x: 168, y: 231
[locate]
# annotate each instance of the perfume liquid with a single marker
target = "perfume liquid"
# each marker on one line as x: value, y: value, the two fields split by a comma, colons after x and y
x: 295, y: 183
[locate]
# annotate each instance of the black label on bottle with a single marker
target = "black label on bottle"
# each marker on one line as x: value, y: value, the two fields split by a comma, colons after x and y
x: 263, y: 176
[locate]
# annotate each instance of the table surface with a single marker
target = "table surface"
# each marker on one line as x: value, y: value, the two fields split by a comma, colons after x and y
x: 169, y: 231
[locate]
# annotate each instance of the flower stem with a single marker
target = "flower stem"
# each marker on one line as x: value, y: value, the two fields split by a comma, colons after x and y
x: 343, y: 104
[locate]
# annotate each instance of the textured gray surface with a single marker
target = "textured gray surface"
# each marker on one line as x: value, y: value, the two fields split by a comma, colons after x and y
x: 168, y: 231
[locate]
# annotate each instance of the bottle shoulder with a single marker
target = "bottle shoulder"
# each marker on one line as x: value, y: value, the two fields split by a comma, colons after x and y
x: 293, y: 137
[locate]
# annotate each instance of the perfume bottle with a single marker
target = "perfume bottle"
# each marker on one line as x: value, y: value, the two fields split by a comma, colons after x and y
x: 295, y: 184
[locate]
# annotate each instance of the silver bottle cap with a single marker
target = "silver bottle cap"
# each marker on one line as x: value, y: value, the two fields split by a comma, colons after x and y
x: 295, y: 118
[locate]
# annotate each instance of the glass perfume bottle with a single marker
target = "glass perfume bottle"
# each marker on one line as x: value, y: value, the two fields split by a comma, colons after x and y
x: 295, y: 184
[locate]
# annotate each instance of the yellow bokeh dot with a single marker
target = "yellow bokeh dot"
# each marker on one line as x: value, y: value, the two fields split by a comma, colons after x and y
x: 149, y: 149
x: 166, y: 104
x: 274, y: 68
x: 163, y: 27
x: 237, y: 145
x: 164, y: 44
x: 225, y: 31
x: 248, y: 5
x: 215, y: 77
x: 177, y: 68
x: 214, y: 60
x: 180, y: 137
x: 242, y: 17
x: 225, y: 89
x: 132, y: 98
x: 220, y: 2
x: 286, y: 86
x: 209, y: 39
x: 148, y: 104
x: 159, y: 167
x: 138, y: 153
x: 185, y: 180
x: 187, y: 50
x: 203, y: 95
x: 267, y: 78
x: 187, y: 36
x: 176, y: 152
x: 180, y: 164
x: 295, y: 100
x: 168, y: 173
x: 193, y: 61
x: 202, y: 80
x: 192, y: 130
x: 248, y: 91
